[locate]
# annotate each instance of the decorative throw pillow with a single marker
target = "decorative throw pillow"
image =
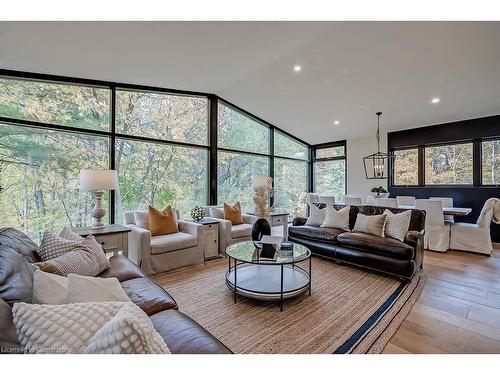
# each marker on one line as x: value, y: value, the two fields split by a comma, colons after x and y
x: 130, y: 331
x: 81, y: 261
x: 94, y: 289
x: 316, y: 216
x: 141, y: 219
x: 49, y: 288
x: 162, y: 222
x: 233, y: 213
x: 53, y: 246
x: 396, y: 225
x: 371, y: 224
x: 90, y: 243
x: 61, y: 328
x: 336, y: 219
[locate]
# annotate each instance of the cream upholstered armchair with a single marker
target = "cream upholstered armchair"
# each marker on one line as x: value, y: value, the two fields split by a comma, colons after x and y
x: 476, y: 237
x: 158, y: 254
x: 229, y: 233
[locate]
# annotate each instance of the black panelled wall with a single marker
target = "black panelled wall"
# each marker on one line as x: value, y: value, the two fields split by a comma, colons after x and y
x: 464, y: 196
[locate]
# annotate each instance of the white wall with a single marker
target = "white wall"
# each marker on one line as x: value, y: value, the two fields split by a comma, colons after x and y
x: 357, y: 148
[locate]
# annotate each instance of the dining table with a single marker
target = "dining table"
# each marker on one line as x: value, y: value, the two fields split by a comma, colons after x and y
x: 454, y: 211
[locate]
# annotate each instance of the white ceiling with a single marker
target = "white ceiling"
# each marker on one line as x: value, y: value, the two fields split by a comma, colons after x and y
x: 350, y: 70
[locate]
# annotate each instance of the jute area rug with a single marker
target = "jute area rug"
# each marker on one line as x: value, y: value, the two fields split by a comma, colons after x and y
x: 350, y: 310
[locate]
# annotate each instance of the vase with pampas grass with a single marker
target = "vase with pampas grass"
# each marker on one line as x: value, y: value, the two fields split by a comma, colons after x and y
x: 262, y: 192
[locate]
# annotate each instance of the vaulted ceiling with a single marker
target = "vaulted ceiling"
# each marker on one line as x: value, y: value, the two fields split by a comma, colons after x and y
x: 349, y: 70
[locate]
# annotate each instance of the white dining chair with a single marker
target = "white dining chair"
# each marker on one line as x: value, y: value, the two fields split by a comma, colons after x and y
x: 447, y: 202
x: 352, y: 201
x: 387, y: 202
x: 437, y: 232
x: 316, y: 198
x: 476, y: 237
x: 370, y: 199
x: 405, y: 200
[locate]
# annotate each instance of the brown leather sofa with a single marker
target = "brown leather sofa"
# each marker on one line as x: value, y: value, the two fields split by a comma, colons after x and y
x: 181, y: 333
x: 391, y: 256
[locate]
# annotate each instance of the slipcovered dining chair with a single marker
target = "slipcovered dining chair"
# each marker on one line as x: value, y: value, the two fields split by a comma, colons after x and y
x: 447, y: 202
x: 476, y: 237
x: 370, y: 199
x: 437, y: 232
x: 316, y: 198
x: 404, y: 200
x: 387, y: 202
x: 350, y: 200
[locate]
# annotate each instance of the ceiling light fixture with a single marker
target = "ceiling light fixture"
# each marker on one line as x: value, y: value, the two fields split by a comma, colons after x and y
x: 297, y: 68
x: 378, y: 163
x: 336, y: 122
x: 435, y: 100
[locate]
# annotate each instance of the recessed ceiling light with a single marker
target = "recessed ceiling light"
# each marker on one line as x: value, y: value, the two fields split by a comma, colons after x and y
x: 435, y: 100
x: 336, y: 122
x: 297, y: 68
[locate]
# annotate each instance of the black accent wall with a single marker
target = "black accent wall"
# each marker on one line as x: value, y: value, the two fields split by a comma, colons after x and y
x: 473, y: 130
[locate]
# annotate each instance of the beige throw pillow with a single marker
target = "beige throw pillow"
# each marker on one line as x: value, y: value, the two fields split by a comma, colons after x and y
x: 90, y: 243
x: 53, y: 246
x: 316, y: 216
x: 81, y: 261
x: 130, y: 331
x: 336, y: 219
x: 49, y: 288
x: 94, y: 289
x: 396, y: 225
x: 371, y: 224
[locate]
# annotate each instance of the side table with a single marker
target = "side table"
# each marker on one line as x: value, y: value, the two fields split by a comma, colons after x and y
x: 211, y: 237
x: 113, y: 237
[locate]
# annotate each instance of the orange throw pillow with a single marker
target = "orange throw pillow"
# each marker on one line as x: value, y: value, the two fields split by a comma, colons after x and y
x: 233, y: 213
x: 162, y: 222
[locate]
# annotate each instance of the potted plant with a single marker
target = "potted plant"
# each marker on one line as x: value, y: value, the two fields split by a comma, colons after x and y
x: 379, y: 192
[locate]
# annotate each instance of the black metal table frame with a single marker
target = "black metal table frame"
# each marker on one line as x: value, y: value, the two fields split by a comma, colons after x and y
x: 293, y: 264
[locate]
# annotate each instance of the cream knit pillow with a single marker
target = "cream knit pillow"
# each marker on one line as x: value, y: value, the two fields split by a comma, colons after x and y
x: 396, y: 225
x: 90, y: 243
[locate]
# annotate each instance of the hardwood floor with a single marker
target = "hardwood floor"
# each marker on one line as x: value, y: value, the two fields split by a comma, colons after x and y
x: 458, y: 310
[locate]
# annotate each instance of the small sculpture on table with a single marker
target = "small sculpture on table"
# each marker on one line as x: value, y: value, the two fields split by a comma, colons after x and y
x: 198, y: 213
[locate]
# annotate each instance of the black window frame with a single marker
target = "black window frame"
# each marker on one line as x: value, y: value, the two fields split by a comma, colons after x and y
x: 211, y: 146
x: 317, y: 147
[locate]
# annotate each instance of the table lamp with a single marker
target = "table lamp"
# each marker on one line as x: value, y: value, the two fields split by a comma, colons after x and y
x: 98, y: 181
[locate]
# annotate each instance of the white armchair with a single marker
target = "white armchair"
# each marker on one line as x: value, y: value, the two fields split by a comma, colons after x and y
x: 476, y: 237
x: 158, y: 254
x: 229, y: 233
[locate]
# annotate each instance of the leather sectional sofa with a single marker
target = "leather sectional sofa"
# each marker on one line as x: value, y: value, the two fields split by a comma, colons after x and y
x: 391, y: 256
x: 181, y: 333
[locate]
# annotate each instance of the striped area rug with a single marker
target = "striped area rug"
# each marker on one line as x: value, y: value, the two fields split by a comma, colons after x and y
x: 350, y: 310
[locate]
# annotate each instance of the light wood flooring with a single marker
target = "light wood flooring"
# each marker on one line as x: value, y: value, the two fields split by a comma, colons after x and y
x: 458, y: 310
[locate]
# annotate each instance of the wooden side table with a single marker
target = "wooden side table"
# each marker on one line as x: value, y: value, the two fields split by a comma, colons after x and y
x: 113, y: 237
x: 211, y: 237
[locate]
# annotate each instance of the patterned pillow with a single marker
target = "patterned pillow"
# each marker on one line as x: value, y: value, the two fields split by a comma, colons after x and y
x: 92, y: 327
x: 81, y: 261
x: 396, y: 225
x: 90, y: 243
x: 130, y: 331
x: 53, y: 246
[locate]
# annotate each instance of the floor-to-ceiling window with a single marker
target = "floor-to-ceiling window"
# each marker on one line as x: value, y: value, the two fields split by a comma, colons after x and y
x: 291, y: 174
x: 330, y: 170
x: 243, y: 153
x: 159, y: 140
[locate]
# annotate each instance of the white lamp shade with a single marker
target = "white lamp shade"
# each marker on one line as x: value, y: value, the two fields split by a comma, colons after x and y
x: 97, y: 180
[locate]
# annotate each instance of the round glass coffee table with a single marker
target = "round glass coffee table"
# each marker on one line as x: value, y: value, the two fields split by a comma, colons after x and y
x: 268, y: 280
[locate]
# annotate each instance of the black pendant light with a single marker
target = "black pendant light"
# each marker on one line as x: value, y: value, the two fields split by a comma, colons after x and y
x: 377, y: 165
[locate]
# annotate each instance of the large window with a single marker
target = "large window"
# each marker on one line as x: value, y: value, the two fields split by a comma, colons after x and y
x: 406, y: 167
x: 235, y: 173
x: 287, y: 147
x: 290, y: 181
x: 237, y: 131
x: 55, y: 103
x: 449, y: 164
x: 330, y: 171
x: 490, y: 151
x: 160, y: 116
x: 159, y: 174
x: 39, y: 175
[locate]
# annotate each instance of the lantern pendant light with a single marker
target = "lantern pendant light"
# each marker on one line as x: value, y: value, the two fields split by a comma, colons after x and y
x: 376, y: 164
